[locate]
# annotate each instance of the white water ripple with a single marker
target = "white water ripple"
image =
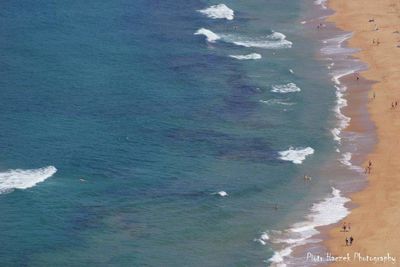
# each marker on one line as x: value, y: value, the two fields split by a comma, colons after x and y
x: 220, y: 11
x: 247, y: 57
x: 296, y: 155
x: 275, y: 40
x: 285, y: 88
x: 330, y: 210
x: 210, y: 36
x: 23, y: 179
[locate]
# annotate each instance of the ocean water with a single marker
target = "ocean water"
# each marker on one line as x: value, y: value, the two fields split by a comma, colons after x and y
x: 163, y: 133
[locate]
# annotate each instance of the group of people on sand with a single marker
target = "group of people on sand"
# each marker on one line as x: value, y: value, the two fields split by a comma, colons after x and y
x: 394, y: 104
x: 346, y: 228
x: 368, y: 168
x: 376, y: 28
x: 320, y: 26
x: 376, y: 41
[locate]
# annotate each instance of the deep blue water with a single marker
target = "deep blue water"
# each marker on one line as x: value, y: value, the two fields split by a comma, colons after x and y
x: 123, y: 95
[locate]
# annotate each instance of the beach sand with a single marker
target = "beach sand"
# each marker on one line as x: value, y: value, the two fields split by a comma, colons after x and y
x: 375, y: 222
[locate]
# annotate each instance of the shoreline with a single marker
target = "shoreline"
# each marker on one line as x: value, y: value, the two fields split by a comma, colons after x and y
x: 373, y: 216
x: 350, y: 134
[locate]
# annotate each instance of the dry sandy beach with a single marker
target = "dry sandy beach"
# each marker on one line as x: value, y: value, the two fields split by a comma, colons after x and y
x: 375, y: 221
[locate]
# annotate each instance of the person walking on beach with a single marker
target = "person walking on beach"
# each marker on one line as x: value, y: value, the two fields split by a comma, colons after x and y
x: 344, y: 226
x: 347, y: 241
x: 351, y: 240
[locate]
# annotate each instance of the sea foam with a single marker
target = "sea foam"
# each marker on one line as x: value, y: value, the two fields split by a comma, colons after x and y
x: 210, y: 36
x: 285, y: 88
x: 277, y: 102
x: 247, y: 57
x: 23, y: 179
x: 263, y: 238
x: 330, y: 210
x: 341, y: 102
x: 220, y: 11
x: 275, y: 40
x: 335, y: 46
x: 345, y: 159
x: 220, y: 193
x: 296, y: 155
x: 321, y: 3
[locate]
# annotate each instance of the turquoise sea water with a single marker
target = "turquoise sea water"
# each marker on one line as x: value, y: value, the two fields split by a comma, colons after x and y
x: 145, y: 122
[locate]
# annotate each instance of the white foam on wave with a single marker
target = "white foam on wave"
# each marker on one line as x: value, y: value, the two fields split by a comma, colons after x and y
x: 345, y: 159
x: 285, y: 88
x: 335, y: 45
x: 341, y: 102
x: 330, y: 65
x: 337, y: 75
x: 220, y: 11
x: 247, y: 57
x: 330, y: 210
x: 278, y: 257
x: 210, y: 36
x: 336, y: 135
x: 221, y: 193
x: 277, y: 102
x: 334, y: 48
x: 296, y: 155
x: 23, y: 179
x: 343, y: 121
x: 263, y: 238
x: 321, y: 3
x: 276, y: 40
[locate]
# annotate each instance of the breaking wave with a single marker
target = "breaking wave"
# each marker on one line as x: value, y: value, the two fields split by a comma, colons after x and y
x: 247, y: 57
x: 296, y: 155
x: 285, y: 88
x: 220, y: 11
x: 23, y: 179
x: 275, y: 40
x: 330, y: 210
